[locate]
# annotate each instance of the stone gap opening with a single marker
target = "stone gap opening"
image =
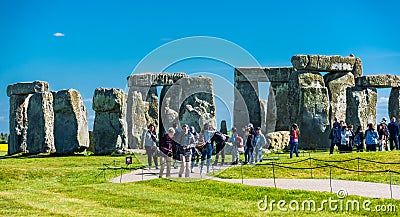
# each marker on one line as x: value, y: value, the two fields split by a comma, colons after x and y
x: 264, y: 96
x: 382, y: 105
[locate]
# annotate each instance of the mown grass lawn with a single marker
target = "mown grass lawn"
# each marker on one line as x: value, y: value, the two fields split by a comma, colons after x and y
x: 265, y: 171
x: 66, y: 186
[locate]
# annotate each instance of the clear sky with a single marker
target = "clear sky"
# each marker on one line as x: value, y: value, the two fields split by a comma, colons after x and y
x: 104, y: 40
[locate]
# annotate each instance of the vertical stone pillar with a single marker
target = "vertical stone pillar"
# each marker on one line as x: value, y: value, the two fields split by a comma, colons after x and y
x: 361, y: 106
x: 109, y: 125
x: 394, y: 103
x: 70, y: 122
x: 337, y: 83
x: 20, y: 94
x: 41, y: 123
x: 247, y: 104
x: 18, y: 123
x: 280, y: 91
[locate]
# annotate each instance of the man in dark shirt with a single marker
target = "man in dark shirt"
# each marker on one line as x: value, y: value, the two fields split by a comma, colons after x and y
x: 394, y: 131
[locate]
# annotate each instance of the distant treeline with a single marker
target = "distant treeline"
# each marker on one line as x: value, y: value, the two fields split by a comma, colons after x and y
x: 3, y: 138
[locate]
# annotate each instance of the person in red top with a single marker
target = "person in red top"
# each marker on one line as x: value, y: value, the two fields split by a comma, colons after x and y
x: 294, y: 140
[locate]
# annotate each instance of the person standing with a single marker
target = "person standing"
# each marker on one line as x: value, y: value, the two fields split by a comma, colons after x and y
x: 206, y: 152
x: 195, y: 155
x: 224, y: 131
x: 371, y: 138
x: 336, y: 137
x: 294, y: 140
x: 259, y: 143
x: 393, y: 128
x: 166, y: 144
x: 237, y: 142
x: 177, y: 132
x: 248, y: 153
x: 382, y: 132
x: 359, y: 139
x: 185, y: 142
x: 149, y: 138
x: 345, y: 139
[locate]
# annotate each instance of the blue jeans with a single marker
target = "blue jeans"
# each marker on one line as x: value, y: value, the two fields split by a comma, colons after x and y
x: 294, y: 148
x: 207, y: 151
x: 248, y: 154
x: 394, y: 142
x: 371, y: 147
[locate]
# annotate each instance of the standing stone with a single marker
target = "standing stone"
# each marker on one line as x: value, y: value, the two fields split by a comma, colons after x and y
x: 361, y: 106
x: 18, y: 123
x: 271, y: 118
x: 247, y: 104
x: 278, y: 140
x: 309, y: 107
x: 136, y: 117
x: 300, y: 79
x: 394, y: 103
x: 109, y: 125
x: 70, y: 122
x: 196, y: 101
x: 152, y: 113
x: 280, y: 91
x: 314, y: 117
x: 337, y: 83
x: 41, y: 123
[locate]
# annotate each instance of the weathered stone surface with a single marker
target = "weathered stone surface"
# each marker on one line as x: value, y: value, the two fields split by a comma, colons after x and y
x: 25, y: 88
x: 378, y: 81
x: 247, y: 104
x: 263, y: 74
x: 298, y: 80
x: 152, y: 113
x: 40, y: 138
x: 281, y: 91
x: 337, y: 84
x: 109, y: 125
x: 154, y: 79
x: 136, y: 116
x: 91, y: 142
x: 361, y: 106
x: 263, y: 104
x: 313, y: 117
x: 394, y: 103
x: 196, y: 100
x: 109, y: 100
x: 70, y: 122
x: 18, y: 123
x: 278, y: 140
x: 271, y: 118
x: 328, y: 63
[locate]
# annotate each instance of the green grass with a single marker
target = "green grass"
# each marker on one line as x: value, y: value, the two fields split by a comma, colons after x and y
x: 265, y: 171
x: 66, y: 186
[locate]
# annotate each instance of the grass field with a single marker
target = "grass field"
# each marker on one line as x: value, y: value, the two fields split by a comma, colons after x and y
x: 66, y: 186
x: 265, y: 171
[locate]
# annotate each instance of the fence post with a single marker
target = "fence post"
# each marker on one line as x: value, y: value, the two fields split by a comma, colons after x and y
x: 330, y: 177
x: 358, y: 168
x: 273, y: 173
x: 241, y: 170
x: 311, y: 167
x: 391, y: 192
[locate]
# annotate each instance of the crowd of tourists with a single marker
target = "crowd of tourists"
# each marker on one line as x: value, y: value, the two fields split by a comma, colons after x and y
x: 383, y: 138
x: 195, y: 149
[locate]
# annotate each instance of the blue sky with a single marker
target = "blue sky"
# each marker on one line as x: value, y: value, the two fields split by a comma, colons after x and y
x: 104, y: 40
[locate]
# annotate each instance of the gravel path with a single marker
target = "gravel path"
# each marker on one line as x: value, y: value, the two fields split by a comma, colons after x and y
x: 366, y: 189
